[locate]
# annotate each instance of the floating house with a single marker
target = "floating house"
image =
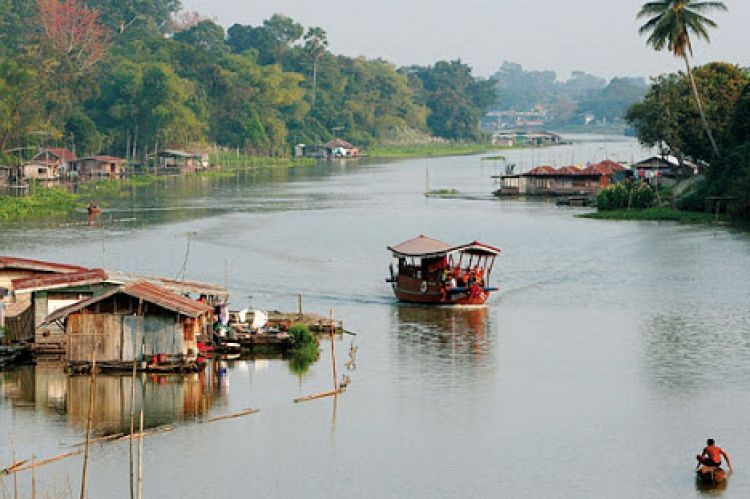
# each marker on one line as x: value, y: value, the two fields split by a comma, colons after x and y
x: 339, y: 148
x: 96, y: 167
x: 17, y: 314
x: 565, y: 181
x: 665, y: 166
x: 179, y: 161
x: 138, y: 319
x: 59, y: 157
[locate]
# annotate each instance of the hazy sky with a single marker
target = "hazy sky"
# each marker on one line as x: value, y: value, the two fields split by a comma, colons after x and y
x: 597, y: 36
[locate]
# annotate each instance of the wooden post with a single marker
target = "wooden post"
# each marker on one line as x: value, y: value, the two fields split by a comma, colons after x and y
x: 90, y: 421
x: 333, y: 354
x: 299, y: 305
x: 140, y: 456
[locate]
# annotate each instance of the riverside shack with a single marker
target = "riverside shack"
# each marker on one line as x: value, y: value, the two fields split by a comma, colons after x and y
x: 139, y: 317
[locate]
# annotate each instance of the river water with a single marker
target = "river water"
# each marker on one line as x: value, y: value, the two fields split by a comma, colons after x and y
x: 612, y: 351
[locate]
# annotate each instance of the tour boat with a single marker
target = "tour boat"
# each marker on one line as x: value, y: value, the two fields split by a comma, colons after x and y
x: 432, y: 272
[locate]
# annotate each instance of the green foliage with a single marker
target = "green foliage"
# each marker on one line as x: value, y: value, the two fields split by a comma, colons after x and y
x: 625, y: 195
x: 668, y: 114
x: 304, y: 344
x: 456, y: 101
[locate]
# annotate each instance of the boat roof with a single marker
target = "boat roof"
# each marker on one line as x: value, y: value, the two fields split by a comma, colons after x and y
x: 421, y: 246
x: 425, y: 247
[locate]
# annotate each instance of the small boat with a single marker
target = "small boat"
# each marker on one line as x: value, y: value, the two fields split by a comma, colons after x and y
x: 432, y: 272
x: 710, y: 475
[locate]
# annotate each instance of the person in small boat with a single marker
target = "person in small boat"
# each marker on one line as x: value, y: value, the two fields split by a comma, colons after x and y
x: 712, y: 454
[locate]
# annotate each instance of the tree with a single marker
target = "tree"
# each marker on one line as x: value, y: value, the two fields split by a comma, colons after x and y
x: 283, y: 31
x: 72, y: 33
x: 206, y: 35
x: 316, y: 43
x: 670, y: 25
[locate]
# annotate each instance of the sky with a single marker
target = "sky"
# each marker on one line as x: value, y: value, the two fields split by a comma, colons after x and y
x: 596, y: 36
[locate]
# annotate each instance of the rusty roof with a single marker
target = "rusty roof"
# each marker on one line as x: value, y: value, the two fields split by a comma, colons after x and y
x: 175, y: 285
x: 569, y: 170
x: 148, y: 292
x: 420, y: 246
x: 11, y: 262
x: 59, y: 152
x: 56, y: 281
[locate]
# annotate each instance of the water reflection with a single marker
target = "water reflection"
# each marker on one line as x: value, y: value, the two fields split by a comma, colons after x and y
x: 165, y: 399
x: 449, y: 332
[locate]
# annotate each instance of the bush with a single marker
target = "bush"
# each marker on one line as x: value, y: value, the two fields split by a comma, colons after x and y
x: 304, y: 348
x: 626, y: 194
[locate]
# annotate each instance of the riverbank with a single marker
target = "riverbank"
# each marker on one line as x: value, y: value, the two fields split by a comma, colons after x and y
x: 43, y: 201
x: 427, y: 150
x: 656, y: 214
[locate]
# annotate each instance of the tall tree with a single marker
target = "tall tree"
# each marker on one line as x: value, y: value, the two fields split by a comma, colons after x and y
x: 670, y: 25
x: 316, y: 42
x: 283, y: 31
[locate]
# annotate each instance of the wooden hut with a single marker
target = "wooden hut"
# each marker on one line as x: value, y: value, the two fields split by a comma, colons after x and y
x: 139, y: 318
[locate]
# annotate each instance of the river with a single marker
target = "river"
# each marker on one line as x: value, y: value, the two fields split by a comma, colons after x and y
x: 612, y: 351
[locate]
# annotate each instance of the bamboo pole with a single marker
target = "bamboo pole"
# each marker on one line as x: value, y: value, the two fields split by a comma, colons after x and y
x: 333, y: 354
x: 299, y: 305
x: 132, y: 393
x: 246, y: 412
x: 317, y: 395
x: 15, y: 477
x: 84, y: 474
x: 147, y: 433
x: 114, y: 436
x: 140, y: 456
x: 22, y: 466
x: 33, y: 476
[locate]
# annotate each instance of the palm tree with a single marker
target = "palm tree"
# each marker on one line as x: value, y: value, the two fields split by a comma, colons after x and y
x: 670, y: 25
x: 316, y: 43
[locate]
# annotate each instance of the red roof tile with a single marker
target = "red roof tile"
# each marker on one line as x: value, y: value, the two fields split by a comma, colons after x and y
x: 542, y: 170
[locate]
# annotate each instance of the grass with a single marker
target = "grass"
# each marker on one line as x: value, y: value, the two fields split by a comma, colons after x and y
x: 44, y: 202
x: 435, y: 149
x: 660, y: 214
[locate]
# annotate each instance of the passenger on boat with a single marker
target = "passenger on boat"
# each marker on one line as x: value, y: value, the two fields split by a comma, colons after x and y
x: 711, y: 455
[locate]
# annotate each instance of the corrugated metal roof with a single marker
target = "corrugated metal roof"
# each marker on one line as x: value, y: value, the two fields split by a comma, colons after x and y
x: 165, y: 298
x: 11, y: 262
x: 176, y: 285
x: 55, y: 281
x: 420, y: 246
x: 148, y: 292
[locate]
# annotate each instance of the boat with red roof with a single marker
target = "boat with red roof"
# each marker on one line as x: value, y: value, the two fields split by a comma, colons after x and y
x: 432, y: 272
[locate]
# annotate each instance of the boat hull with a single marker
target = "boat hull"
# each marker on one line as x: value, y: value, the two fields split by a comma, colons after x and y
x: 431, y: 293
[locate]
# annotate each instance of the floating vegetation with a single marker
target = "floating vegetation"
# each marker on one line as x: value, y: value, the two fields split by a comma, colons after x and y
x: 43, y: 202
x: 444, y: 193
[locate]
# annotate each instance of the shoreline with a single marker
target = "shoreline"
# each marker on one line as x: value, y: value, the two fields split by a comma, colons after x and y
x: 654, y: 214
